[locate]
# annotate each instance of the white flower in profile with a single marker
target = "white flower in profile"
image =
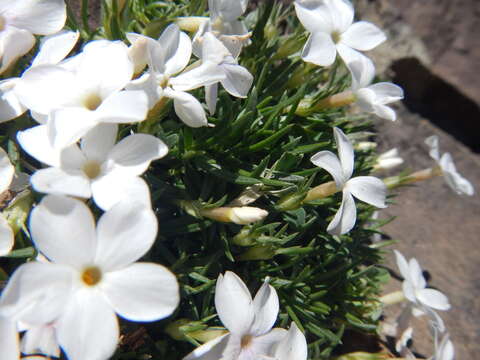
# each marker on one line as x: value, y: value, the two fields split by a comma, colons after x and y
x: 166, y: 78
x: 73, y: 100
x: 99, y: 168
x: 248, y: 321
x: 224, y: 24
x: 366, y: 188
x: 53, y: 49
x: 415, y: 287
x: 93, y: 274
x: 373, y: 98
x: 444, y: 350
x: 21, y: 19
x: 388, y: 160
x: 332, y: 29
x: 454, y: 180
x: 237, y: 81
x: 7, y: 171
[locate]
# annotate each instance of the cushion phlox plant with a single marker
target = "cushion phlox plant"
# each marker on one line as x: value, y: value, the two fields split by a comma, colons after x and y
x: 158, y: 170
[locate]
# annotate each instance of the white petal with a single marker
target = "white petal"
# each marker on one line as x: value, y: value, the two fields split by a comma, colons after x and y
x: 51, y: 225
x: 266, y: 306
x: 363, y: 36
x: 263, y: 345
x: 9, y: 339
x: 40, y: 339
x: 344, y: 219
x: 416, y: 274
x: 97, y: 143
x: 125, y: 233
x: 213, y: 49
x: 177, y: 47
x: 402, y: 265
x: 56, y: 181
x: 6, y: 237
x: 342, y: 14
x: 211, y: 95
x: 10, y: 105
x: 45, y: 87
x: 148, y: 84
x: 56, y: 47
x: 348, y: 54
x: 345, y: 152
x: 211, y: 350
x: 142, y: 292
x: 105, y: 67
x: 238, y: 81
x: 138, y: 51
x: 369, y: 189
x: 206, y: 74
x: 231, y: 10
x: 115, y: 187
x: 123, y: 107
x: 433, y: 298
x: 88, y: 329
x: 6, y: 171
x: 409, y: 291
x: 36, y: 143
x: 432, y: 142
x: 15, y: 43
x: 330, y: 162
x: 41, y: 17
x: 187, y: 108
x: 385, y: 112
x: 363, y: 72
x: 315, y: 16
x: 386, y: 92
x: 293, y: 346
x: 453, y: 179
x: 234, y: 303
x: 37, y: 292
x: 319, y: 50
x: 67, y: 125
x: 135, y: 152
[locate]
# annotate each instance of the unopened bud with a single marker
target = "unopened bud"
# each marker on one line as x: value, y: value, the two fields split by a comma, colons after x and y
x: 290, y: 202
x: 322, y: 191
x: 388, y: 160
x: 190, y: 23
x: 239, y: 215
x: 263, y: 252
x: 365, y: 145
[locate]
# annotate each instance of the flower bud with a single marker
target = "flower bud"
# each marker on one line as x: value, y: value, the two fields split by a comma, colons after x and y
x: 366, y: 145
x: 388, y: 160
x: 190, y: 23
x: 262, y: 252
x: 138, y: 53
x: 239, y: 215
x: 290, y: 202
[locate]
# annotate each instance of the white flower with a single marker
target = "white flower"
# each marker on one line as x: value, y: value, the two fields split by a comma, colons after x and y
x: 453, y: 179
x: 97, y: 168
x: 7, y: 172
x: 53, y: 49
x: 373, y: 98
x: 76, y: 98
x: 166, y: 77
x: 40, y: 339
x: 249, y: 322
x: 330, y: 23
x: 237, y: 81
x: 92, y: 275
x: 444, y: 350
x: 224, y: 24
x: 20, y: 19
x: 388, y: 160
x: 366, y: 188
x: 415, y: 287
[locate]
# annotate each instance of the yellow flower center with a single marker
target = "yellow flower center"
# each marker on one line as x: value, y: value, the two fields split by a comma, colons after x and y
x: 91, y: 276
x: 246, y: 341
x: 92, y: 101
x: 336, y: 36
x: 92, y: 169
